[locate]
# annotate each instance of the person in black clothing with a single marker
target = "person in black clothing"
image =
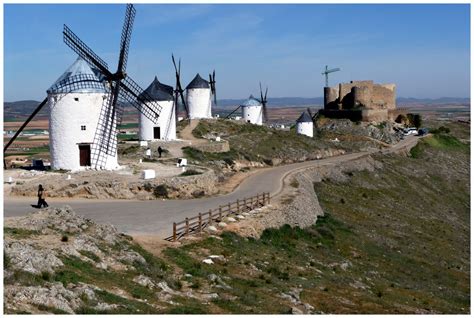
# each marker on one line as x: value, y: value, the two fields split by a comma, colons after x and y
x: 160, y: 151
x: 41, y: 196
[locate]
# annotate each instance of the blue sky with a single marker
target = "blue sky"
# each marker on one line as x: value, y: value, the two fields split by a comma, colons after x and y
x: 423, y: 49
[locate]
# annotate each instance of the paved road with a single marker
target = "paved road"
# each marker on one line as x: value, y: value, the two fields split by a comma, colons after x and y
x: 155, y: 217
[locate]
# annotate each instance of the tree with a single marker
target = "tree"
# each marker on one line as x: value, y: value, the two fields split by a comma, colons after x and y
x: 417, y: 121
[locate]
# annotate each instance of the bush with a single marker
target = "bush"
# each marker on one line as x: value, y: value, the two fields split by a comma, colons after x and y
x: 64, y: 238
x: 190, y: 172
x: 440, y: 130
x: 161, y: 191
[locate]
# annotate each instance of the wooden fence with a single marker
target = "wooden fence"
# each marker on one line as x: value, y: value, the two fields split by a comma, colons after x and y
x: 197, y: 223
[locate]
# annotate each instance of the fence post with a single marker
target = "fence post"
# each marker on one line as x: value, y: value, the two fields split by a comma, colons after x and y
x: 220, y: 213
x: 210, y: 216
x: 230, y: 212
x: 238, y: 206
x: 174, y: 231
x: 187, y: 226
x: 258, y: 200
x: 268, y: 197
x: 200, y: 222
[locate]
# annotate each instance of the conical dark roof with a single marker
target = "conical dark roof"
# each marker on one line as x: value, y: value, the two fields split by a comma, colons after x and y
x: 304, y: 118
x: 158, y: 91
x: 198, y: 82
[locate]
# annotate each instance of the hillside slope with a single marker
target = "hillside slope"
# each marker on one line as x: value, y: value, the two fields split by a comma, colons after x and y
x: 392, y: 241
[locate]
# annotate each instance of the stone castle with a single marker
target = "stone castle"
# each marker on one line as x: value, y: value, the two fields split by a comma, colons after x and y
x: 360, y: 101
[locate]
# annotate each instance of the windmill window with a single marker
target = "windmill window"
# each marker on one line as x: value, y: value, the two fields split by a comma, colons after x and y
x: 83, y: 127
x: 76, y: 99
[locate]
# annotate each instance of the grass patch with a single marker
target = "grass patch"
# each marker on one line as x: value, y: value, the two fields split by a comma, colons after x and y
x: 19, y: 233
x: 90, y: 255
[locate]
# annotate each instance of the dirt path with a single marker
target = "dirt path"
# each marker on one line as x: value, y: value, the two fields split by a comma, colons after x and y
x: 155, y: 217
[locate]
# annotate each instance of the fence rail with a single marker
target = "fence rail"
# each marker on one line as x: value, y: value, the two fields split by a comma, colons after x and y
x: 199, y: 222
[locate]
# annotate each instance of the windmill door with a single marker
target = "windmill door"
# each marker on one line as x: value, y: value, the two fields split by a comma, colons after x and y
x: 85, y: 155
x: 156, y: 132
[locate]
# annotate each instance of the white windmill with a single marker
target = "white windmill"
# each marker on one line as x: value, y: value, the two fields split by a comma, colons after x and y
x: 165, y: 127
x: 304, y: 125
x: 75, y: 101
x: 84, y: 113
x: 252, y: 111
x: 198, y: 98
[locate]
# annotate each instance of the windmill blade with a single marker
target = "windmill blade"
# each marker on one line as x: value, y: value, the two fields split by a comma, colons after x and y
x: 84, y: 51
x: 265, y: 113
x: 228, y: 116
x: 214, y: 84
x: 36, y: 111
x: 265, y: 98
x: 134, y: 95
x: 261, y: 93
x: 125, y: 39
x: 179, y: 88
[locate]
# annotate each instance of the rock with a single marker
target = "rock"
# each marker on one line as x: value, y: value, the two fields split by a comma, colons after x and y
x: 230, y: 219
x: 296, y: 311
x: 144, y: 281
x: 188, y: 275
x: 209, y: 296
x: 130, y: 257
x: 240, y: 217
x: 208, y: 261
x: 213, y: 278
x: 222, y: 224
x: 245, y: 214
x: 344, y: 266
x: 164, y: 286
x: 27, y: 258
x: 105, y: 306
x: 212, y: 229
x: 102, y: 265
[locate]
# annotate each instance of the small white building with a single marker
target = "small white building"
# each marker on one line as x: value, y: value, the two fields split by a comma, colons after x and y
x: 252, y: 111
x: 304, y: 125
x: 75, y: 101
x: 198, y: 98
x: 165, y: 128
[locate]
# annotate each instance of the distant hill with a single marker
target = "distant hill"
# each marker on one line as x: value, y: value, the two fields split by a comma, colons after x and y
x: 430, y: 101
x: 20, y: 109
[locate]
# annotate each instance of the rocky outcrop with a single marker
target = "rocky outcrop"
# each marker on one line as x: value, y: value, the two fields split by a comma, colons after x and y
x: 36, y: 247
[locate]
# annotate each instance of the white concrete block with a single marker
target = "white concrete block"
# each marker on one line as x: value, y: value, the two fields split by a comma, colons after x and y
x: 148, y: 174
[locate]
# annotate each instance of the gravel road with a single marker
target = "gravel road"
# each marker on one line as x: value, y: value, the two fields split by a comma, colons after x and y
x: 156, y: 217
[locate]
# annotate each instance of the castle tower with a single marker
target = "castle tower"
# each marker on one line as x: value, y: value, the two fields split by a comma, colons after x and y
x: 165, y: 128
x: 252, y: 111
x: 304, y: 125
x: 198, y: 98
x: 75, y: 101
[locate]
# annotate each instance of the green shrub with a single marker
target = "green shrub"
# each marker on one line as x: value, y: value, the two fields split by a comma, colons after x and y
x: 190, y: 172
x: 161, y: 191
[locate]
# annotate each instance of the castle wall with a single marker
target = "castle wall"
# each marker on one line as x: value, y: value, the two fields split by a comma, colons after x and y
x: 331, y: 95
x: 377, y: 115
x: 383, y: 96
x: 360, y: 99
